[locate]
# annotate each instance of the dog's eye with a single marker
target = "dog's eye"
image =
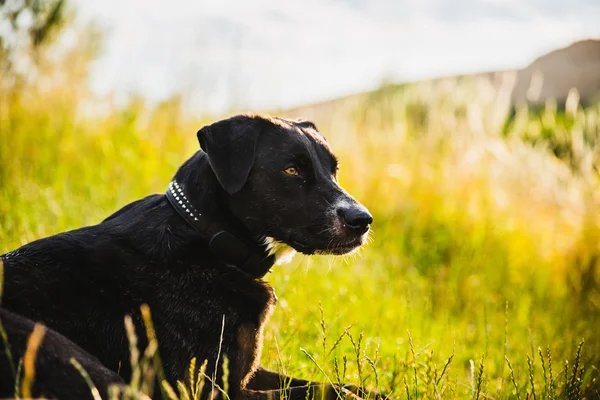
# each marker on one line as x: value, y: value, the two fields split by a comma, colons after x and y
x: 291, y: 171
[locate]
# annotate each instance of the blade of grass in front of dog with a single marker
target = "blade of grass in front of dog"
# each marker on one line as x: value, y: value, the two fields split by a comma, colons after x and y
x: 216, y: 385
x: 151, y: 335
x: 200, y: 381
x: 445, y: 369
x: 114, y: 392
x: 472, y: 377
x: 284, y: 383
x: 134, y: 353
x: 373, y: 365
x: 357, y: 350
x: 544, y: 373
x: 530, y: 368
x: 575, y: 379
x: 214, y: 378
x: 148, y: 372
x: 307, y: 397
x: 323, y: 328
x: 167, y: 391
x: 226, y: 374
x: 33, y: 344
x: 86, y: 378
x: 550, y: 377
x: 412, y: 349
x: 192, y: 373
x: 339, y: 339
x: 322, y: 371
x: 183, y: 391
x: 18, y: 377
x: 336, y: 370
x: 512, y: 376
x: 479, y: 379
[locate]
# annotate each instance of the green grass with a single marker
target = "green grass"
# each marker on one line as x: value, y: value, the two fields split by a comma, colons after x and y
x: 482, y: 276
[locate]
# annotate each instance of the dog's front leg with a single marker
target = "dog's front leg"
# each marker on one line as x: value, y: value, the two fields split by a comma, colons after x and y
x: 364, y: 393
x: 263, y: 379
x: 307, y: 392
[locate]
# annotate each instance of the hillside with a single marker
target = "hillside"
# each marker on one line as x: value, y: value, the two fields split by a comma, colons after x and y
x: 575, y: 66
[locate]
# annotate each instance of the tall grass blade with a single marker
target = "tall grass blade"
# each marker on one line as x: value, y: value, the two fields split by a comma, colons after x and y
x: 512, y: 377
x: 33, y: 345
x: 93, y: 389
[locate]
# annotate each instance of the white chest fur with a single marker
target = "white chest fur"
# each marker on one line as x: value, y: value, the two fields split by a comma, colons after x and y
x: 283, y: 253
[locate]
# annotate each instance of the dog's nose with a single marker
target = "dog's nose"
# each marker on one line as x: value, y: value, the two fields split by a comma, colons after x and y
x: 356, y: 218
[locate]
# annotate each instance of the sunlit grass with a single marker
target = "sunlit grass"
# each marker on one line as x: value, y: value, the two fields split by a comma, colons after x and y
x: 484, y: 258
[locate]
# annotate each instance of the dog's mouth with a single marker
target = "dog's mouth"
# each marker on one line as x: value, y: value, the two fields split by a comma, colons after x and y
x: 333, y: 248
x: 345, y: 247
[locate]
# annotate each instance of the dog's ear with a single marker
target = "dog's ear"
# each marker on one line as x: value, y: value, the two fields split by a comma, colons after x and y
x: 231, y: 145
x: 306, y: 124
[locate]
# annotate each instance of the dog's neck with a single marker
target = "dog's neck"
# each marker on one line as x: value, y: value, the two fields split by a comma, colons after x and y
x: 197, y: 197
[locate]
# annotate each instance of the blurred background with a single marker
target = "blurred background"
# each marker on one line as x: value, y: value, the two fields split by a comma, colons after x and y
x: 471, y: 130
x: 266, y: 54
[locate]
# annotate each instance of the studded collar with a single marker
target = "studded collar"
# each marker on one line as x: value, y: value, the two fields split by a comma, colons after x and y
x: 226, y: 246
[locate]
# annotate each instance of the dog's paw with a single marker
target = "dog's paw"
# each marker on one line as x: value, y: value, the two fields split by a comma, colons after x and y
x: 364, y: 394
x: 348, y: 394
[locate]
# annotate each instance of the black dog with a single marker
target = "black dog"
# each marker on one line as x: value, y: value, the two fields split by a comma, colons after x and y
x: 262, y: 189
x: 54, y: 373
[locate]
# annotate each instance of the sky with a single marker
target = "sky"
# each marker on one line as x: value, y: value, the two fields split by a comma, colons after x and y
x: 280, y: 53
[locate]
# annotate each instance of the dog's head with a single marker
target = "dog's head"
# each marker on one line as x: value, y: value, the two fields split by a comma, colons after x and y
x: 280, y: 177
